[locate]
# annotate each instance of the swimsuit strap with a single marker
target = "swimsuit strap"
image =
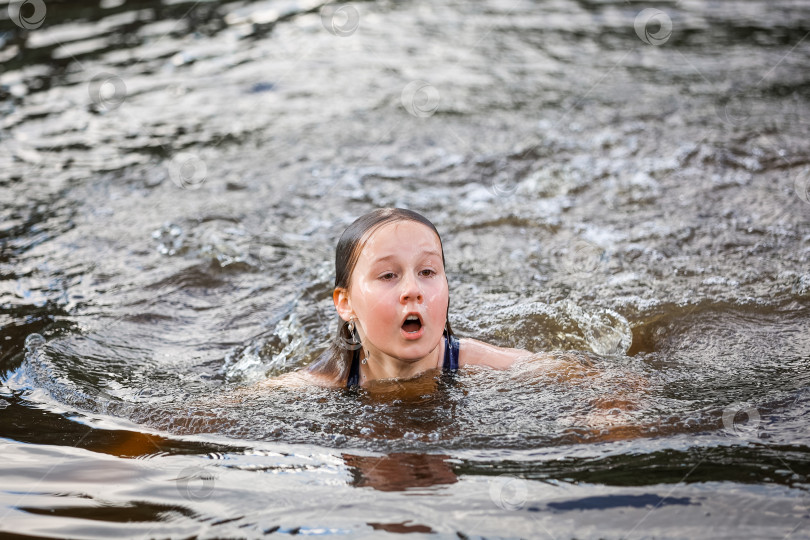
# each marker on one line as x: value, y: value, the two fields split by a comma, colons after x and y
x: 354, y: 370
x: 451, y: 348
x: 450, y: 363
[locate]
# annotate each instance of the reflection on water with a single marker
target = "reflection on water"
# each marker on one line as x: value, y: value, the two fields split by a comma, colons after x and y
x: 621, y: 189
x: 399, y: 471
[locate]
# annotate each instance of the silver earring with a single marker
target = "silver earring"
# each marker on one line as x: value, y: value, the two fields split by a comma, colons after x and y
x: 364, y: 361
x: 352, y: 335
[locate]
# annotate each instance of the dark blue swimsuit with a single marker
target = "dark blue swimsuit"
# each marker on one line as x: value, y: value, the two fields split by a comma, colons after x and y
x: 450, y: 363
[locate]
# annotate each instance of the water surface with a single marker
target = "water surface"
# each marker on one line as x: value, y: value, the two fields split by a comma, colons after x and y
x: 624, y: 196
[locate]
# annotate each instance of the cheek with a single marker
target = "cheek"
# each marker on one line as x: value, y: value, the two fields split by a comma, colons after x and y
x: 437, y: 299
x: 377, y: 301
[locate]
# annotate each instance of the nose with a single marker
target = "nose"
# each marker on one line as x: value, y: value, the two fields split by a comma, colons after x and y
x: 410, y: 291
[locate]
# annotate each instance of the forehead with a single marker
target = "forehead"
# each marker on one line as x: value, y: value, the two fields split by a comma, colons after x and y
x: 399, y: 237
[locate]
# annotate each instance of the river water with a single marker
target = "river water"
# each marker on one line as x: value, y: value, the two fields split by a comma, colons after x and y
x: 622, y: 188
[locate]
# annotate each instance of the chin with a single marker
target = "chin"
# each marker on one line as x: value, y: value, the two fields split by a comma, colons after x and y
x: 418, y: 350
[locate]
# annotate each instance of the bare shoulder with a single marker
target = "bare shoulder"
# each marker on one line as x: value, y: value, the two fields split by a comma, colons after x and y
x: 474, y: 352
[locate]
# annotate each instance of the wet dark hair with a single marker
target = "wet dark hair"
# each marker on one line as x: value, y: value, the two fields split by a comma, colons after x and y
x: 336, y: 360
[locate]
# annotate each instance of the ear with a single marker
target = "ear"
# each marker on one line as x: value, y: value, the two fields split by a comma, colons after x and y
x: 343, y: 305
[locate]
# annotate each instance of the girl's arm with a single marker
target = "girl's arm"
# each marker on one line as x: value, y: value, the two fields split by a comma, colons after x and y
x: 478, y: 353
x: 300, y: 378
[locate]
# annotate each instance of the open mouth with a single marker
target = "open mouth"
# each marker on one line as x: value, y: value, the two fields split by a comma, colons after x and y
x: 412, y: 324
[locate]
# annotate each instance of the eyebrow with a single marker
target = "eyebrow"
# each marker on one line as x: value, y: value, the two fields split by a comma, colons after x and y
x: 429, y: 252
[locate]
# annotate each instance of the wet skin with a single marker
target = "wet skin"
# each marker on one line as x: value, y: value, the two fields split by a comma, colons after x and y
x: 399, y: 273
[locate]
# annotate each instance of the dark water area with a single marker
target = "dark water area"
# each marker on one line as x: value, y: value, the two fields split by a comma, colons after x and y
x: 622, y: 188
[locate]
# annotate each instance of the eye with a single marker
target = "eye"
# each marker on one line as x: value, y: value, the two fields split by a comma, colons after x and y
x: 427, y: 272
x: 387, y: 276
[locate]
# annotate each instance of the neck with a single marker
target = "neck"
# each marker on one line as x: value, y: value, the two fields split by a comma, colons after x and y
x: 383, y: 366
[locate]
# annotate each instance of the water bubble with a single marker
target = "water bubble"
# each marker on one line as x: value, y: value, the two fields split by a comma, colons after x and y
x: 508, y: 492
x: 341, y: 21
x: 34, y: 342
x: 195, y: 484
x: 653, y: 26
x: 607, y: 332
x: 187, y: 170
x: 27, y: 21
x: 421, y: 99
x: 107, y: 91
x: 170, y: 239
x: 747, y: 428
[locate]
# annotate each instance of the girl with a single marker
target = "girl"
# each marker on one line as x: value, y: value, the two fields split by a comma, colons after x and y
x: 392, y: 295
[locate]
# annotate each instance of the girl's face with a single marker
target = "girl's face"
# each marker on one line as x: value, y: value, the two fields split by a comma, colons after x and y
x: 398, y: 291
